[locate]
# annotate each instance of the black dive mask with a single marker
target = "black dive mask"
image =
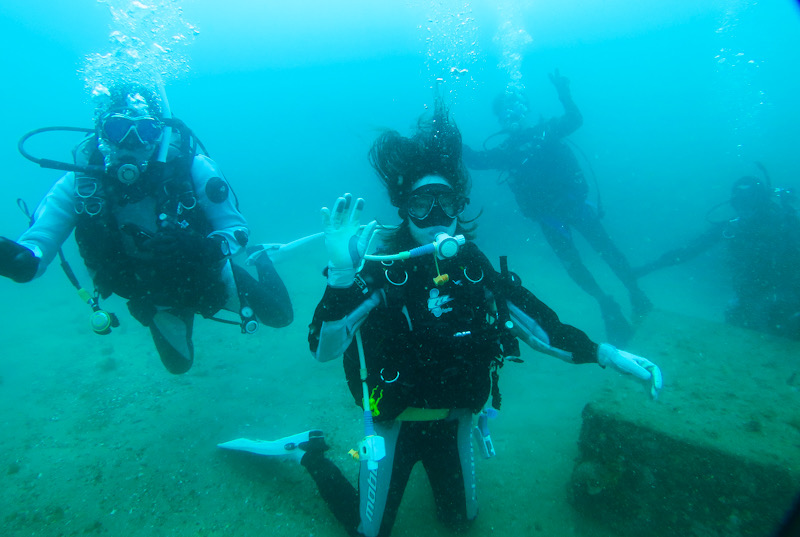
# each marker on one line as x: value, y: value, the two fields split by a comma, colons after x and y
x: 127, y: 144
x: 435, y: 205
x: 436, y: 217
x: 120, y: 128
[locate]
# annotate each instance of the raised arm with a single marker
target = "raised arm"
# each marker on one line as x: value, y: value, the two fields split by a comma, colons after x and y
x: 337, y: 317
x: 572, y: 119
x: 343, y: 307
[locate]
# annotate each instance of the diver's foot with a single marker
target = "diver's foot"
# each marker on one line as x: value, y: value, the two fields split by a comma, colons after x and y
x: 290, y: 448
x: 640, y: 304
x: 618, y: 329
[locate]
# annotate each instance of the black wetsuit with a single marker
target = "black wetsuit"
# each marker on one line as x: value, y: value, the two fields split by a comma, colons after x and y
x: 550, y: 188
x: 431, y: 349
x: 763, y: 256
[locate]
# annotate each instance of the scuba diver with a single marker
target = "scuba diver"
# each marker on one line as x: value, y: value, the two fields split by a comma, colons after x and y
x: 423, y: 333
x: 155, y: 222
x: 550, y: 188
x: 763, y: 255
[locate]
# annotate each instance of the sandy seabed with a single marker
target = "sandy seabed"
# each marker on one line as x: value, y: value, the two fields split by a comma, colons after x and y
x: 99, y: 439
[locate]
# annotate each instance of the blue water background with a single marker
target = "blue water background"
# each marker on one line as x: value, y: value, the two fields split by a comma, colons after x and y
x: 679, y: 99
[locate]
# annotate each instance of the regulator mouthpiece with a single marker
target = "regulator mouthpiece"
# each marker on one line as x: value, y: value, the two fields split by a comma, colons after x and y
x: 128, y: 174
x: 446, y: 246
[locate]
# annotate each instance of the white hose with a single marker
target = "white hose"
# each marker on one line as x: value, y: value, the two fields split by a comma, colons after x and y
x: 166, y: 137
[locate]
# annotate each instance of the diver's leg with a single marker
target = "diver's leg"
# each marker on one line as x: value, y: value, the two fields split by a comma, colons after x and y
x: 559, y: 237
x: 340, y: 495
x: 450, y: 465
x: 172, y: 333
x: 308, y: 449
x: 589, y: 225
x: 268, y: 296
x: 381, y: 490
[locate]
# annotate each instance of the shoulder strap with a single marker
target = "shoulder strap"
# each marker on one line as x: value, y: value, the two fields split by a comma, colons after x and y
x: 499, y: 286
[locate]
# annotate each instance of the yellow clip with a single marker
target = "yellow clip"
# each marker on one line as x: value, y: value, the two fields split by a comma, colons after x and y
x: 373, y: 403
x: 440, y: 278
x: 84, y: 294
x: 353, y: 453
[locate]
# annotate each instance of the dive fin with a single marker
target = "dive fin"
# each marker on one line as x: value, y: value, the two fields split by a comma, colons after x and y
x: 291, y: 447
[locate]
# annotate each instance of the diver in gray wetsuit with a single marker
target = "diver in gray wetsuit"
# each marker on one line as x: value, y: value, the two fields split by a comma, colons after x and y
x: 423, y: 337
x: 155, y: 222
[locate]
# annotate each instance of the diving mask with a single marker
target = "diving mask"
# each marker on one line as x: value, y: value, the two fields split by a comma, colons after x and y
x: 421, y: 205
x: 116, y: 128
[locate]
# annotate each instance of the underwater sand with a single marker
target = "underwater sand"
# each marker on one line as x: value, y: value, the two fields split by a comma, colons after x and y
x: 98, y: 439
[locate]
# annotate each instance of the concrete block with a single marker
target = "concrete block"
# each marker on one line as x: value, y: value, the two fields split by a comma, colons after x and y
x: 718, y: 455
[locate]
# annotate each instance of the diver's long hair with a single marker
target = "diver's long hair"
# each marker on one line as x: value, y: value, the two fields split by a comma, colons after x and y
x: 434, y: 149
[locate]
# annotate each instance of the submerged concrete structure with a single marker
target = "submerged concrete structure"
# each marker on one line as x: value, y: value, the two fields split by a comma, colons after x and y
x: 718, y: 455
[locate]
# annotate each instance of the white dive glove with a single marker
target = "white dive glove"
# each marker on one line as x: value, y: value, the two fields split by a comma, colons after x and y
x: 345, y: 240
x: 625, y: 362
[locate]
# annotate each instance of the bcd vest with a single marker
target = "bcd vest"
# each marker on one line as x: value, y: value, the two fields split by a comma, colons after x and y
x: 116, y: 257
x: 428, y: 346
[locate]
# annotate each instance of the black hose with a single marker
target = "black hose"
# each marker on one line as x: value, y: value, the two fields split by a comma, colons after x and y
x: 55, y: 164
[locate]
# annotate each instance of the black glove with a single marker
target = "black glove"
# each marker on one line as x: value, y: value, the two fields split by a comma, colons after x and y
x: 560, y: 82
x: 17, y: 262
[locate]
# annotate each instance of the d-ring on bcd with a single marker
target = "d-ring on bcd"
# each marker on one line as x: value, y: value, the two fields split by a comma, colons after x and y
x: 397, y: 376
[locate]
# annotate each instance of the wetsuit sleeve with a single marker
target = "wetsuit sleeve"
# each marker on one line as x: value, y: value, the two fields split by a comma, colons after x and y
x: 676, y: 256
x: 539, y: 326
x: 492, y: 159
x: 534, y: 322
x: 54, y: 220
x: 218, y: 202
x: 338, y: 315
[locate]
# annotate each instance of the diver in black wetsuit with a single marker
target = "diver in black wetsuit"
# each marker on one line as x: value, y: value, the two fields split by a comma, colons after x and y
x: 550, y: 188
x: 431, y: 331
x: 155, y: 222
x: 763, y: 256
